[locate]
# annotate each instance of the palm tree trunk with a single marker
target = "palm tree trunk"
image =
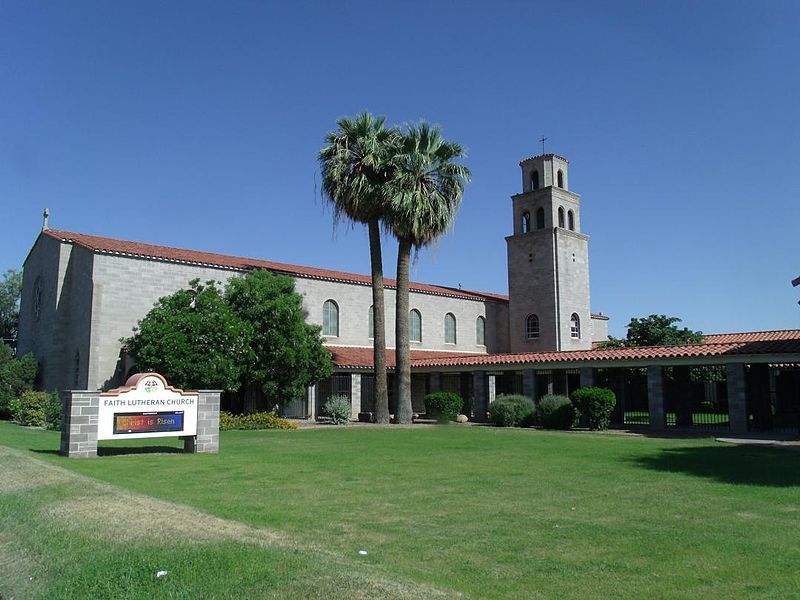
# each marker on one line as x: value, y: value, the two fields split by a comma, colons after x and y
x: 403, y: 369
x: 378, y: 324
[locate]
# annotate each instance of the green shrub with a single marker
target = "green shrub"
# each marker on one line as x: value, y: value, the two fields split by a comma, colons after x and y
x: 596, y: 405
x: 339, y: 410
x: 258, y: 420
x: 16, y: 377
x: 226, y: 421
x: 443, y: 406
x: 14, y: 408
x: 510, y: 410
x: 555, y: 412
x: 30, y: 409
x: 52, y: 412
x: 531, y: 420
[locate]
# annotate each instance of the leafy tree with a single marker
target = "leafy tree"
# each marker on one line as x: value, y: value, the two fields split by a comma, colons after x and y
x: 426, y: 189
x: 252, y: 335
x: 16, y: 377
x: 354, y: 166
x: 10, y: 290
x: 655, y: 330
x: 283, y: 353
x: 193, y: 338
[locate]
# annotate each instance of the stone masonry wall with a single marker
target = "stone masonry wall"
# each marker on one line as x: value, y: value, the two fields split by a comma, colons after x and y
x: 79, y: 421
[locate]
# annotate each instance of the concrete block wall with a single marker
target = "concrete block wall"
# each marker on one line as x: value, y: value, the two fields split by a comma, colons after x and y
x: 354, y: 302
x: 91, y: 300
x: 207, y: 439
x: 43, y: 335
x: 573, y: 287
x: 79, y: 421
x: 125, y: 289
x: 737, y: 398
x: 531, y: 287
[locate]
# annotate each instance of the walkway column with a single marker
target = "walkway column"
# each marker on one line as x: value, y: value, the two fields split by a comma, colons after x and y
x: 655, y: 396
x: 355, y: 395
x: 587, y: 377
x: 492, y: 388
x: 480, y: 391
x: 529, y: 385
x: 434, y: 382
x: 737, y: 397
x: 311, y: 402
x: 683, y: 391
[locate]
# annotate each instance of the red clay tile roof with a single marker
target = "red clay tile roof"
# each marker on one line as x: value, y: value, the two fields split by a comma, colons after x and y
x: 348, y: 357
x: 751, y: 336
x: 760, y: 342
x: 757, y: 342
x: 103, y: 244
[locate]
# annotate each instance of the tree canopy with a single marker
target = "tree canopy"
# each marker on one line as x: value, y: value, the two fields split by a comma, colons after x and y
x: 10, y: 291
x: 283, y: 353
x: 252, y: 334
x: 655, y: 330
x: 17, y: 375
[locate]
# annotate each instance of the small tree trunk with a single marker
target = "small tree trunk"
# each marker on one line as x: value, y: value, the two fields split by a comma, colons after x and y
x: 405, y: 412
x: 379, y: 324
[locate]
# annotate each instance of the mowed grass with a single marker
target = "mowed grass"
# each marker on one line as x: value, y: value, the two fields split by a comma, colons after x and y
x: 472, y: 511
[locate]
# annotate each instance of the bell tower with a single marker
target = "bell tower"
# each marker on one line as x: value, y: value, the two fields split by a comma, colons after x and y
x: 548, y: 262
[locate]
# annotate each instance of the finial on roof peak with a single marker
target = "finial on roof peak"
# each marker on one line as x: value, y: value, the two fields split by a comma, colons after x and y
x: 45, y: 219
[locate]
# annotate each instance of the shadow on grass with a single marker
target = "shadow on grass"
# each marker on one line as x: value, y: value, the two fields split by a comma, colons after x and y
x: 730, y: 464
x: 123, y: 450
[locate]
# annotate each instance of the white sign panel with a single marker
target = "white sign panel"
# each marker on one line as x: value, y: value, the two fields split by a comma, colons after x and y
x: 147, y: 407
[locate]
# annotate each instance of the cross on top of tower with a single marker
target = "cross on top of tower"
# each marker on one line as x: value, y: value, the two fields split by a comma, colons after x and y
x: 543, y: 141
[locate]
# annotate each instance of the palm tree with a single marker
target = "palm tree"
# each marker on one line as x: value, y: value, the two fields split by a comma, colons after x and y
x: 426, y: 188
x: 354, y: 166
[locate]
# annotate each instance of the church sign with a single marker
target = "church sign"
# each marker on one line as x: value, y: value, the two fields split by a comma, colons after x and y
x: 146, y: 407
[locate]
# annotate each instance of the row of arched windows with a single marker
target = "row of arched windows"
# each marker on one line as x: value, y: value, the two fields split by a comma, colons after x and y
x: 535, y: 179
x: 532, y: 326
x: 570, y: 220
x: 330, y: 324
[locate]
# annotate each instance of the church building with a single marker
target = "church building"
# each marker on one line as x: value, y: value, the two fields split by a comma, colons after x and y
x: 82, y: 293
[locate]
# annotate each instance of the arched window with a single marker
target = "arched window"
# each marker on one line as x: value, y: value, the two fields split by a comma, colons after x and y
x: 560, y: 178
x: 480, y: 331
x: 449, y: 328
x: 535, y: 180
x: 561, y: 216
x: 415, y: 326
x: 540, y: 218
x: 37, y: 298
x: 571, y: 220
x: 76, y: 376
x: 532, y: 327
x: 526, y: 222
x: 575, y: 326
x: 330, y: 319
x: 371, y: 322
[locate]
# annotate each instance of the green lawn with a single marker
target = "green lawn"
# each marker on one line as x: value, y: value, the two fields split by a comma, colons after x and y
x: 475, y: 511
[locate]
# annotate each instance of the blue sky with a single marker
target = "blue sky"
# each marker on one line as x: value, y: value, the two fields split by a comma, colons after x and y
x: 197, y: 124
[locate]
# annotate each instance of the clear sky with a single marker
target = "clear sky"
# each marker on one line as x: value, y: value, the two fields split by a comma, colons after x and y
x: 197, y: 124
